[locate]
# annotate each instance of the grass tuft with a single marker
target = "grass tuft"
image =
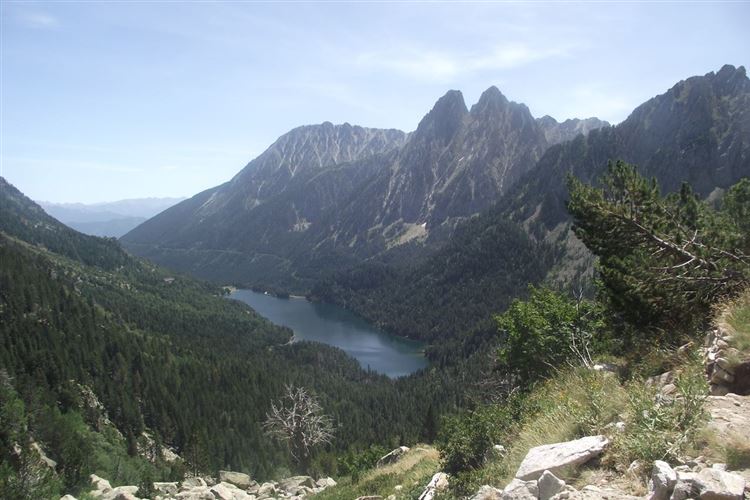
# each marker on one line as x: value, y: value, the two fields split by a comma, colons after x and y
x: 413, y: 471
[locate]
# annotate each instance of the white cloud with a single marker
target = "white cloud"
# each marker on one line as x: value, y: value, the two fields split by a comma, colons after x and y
x: 442, y: 66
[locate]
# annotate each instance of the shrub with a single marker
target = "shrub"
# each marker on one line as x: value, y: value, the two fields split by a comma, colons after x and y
x: 658, y: 427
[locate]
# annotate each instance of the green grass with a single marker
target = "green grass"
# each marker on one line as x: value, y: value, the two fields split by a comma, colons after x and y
x: 735, y: 318
x: 580, y: 402
x: 575, y: 403
x: 413, y: 471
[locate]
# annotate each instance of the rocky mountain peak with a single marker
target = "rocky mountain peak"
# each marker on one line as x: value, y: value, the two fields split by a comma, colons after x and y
x: 445, y: 118
x: 731, y: 80
x: 491, y: 101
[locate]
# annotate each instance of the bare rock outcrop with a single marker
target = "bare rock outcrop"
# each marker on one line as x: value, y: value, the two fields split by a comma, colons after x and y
x: 560, y: 456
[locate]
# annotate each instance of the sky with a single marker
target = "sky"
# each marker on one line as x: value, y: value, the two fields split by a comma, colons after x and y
x: 107, y: 100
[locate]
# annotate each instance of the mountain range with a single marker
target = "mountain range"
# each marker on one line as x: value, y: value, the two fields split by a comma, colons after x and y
x: 324, y: 196
x: 112, y: 219
x: 416, y: 219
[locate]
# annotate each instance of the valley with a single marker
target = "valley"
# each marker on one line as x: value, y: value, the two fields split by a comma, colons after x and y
x: 412, y: 313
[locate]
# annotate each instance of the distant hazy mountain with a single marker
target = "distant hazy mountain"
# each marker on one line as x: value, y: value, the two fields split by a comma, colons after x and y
x: 109, y: 218
x: 324, y: 196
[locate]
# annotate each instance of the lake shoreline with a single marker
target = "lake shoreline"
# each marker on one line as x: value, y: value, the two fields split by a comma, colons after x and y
x: 374, y: 348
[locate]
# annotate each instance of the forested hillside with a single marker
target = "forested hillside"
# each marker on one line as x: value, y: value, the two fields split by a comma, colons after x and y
x: 165, y: 355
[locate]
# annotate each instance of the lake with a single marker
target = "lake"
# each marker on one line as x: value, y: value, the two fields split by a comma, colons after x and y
x: 333, y: 325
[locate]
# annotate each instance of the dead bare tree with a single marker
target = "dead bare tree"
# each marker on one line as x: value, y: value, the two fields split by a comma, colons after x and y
x: 298, y: 421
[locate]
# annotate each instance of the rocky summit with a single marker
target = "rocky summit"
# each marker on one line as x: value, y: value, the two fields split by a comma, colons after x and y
x: 352, y: 192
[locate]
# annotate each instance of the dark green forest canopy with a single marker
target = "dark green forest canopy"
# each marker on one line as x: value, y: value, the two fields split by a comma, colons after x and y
x: 171, y: 355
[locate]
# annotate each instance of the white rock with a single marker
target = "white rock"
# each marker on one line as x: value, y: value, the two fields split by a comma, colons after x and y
x: 99, y: 483
x: 663, y: 479
x: 487, y: 492
x: 197, y: 493
x: 267, y: 490
x: 720, y: 485
x: 67, y: 497
x: 192, y: 482
x: 560, y: 456
x: 438, y: 482
x: 238, y: 479
x: 549, y: 485
x: 228, y: 491
x: 166, y: 488
x: 297, y: 482
x: 325, y: 482
x: 521, y: 490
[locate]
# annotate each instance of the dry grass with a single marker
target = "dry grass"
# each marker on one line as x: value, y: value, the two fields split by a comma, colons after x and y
x: 413, y: 471
x: 734, y: 318
x: 574, y: 403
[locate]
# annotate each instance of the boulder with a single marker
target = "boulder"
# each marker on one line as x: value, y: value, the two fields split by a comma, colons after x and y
x: 238, y: 479
x: 166, y: 488
x: 393, y: 456
x: 549, y: 485
x: 123, y: 495
x: 487, y: 492
x: 67, y: 497
x: 325, y: 482
x: 99, y: 483
x: 717, y: 484
x: 560, y: 456
x: 663, y: 480
x: 192, y: 482
x: 720, y: 376
x: 267, y: 490
x: 687, y: 486
x: 296, y: 482
x: 228, y: 491
x: 438, y: 482
x: 521, y: 490
x: 197, y: 493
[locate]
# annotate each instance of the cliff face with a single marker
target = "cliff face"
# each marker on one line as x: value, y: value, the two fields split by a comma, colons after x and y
x: 349, y: 192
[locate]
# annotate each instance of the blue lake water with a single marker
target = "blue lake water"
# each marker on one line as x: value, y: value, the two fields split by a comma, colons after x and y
x: 333, y: 325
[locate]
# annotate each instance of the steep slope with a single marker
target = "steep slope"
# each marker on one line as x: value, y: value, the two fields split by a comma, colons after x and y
x: 327, y: 197
x: 211, y: 218
x: 247, y: 226
x: 164, y: 354
x: 698, y: 131
x: 456, y: 164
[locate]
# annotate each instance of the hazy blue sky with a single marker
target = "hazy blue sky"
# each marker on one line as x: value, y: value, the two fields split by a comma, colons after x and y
x: 110, y: 100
